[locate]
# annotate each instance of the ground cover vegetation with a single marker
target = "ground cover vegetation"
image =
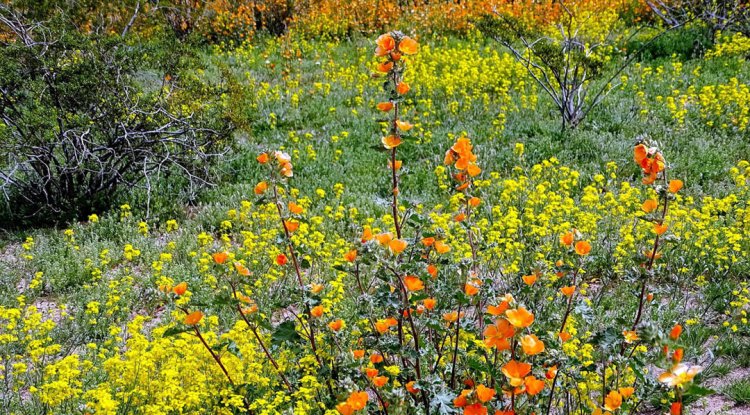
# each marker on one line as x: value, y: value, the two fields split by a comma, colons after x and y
x: 327, y: 207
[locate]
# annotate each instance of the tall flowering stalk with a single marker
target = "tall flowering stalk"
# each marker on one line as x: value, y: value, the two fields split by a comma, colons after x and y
x: 654, y: 168
x: 392, y: 46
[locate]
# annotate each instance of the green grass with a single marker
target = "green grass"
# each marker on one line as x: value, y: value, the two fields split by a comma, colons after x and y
x: 739, y: 391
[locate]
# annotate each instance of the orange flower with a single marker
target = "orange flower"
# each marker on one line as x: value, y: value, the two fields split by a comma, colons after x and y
x: 281, y: 260
x: 496, y: 335
x: 551, y: 373
x: 241, y: 269
x: 520, y: 317
x: 452, y: 316
x: 384, y: 238
x: 529, y: 279
x: 626, y: 392
x: 567, y: 239
x: 432, y: 270
x: 220, y: 257
x: 345, y: 409
x: 385, y: 106
x: 485, y: 394
x: 675, y: 408
x: 180, y: 288
x: 429, y: 303
x: 473, y: 170
x: 677, y: 355
x: 640, y: 153
x: 317, y: 311
x: 291, y: 225
x: 413, y: 283
x: 358, y: 400
x: 379, y: 381
x: 460, y: 217
x: 474, y: 201
x: 428, y: 241
x: 649, y: 205
x: 475, y: 409
x: 442, y: 247
x: 613, y: 401
x: 385, y: 43
x: 660, y: 229
x: 391, y: 141
x: 262, y: 158
x: 371, y: 372
x: 376, y: 358
x: 583, y: 248
x: 472, y: 288
x: 532, y: 345
x: 499, y: 309
x: 630, y: 336
x: 533, y: 385
x: 411, y: 388
x: 261, y: 188
x: 568, y: 291
x: 385, y: 66
x: 358, y: 353
x: 295, y: 208
x: 336, y: 325
x: 515, y: 371
x: 564, y: 336
x: 193, y: 318
x: 402, y: 88
x: 408, y: 45
x: 366, y: 234
x: 397, y: 246
x: 350, y: 256
x: 675, y: 185
x: 675, y: 332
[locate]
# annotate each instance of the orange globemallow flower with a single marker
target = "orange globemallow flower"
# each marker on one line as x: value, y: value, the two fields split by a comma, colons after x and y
x: 640, y: 153
x: 529, y: 279
x: 485, y: 394
x: 519, y: 317
x: 316, y: 311
x: 397, y: 246
x: 404, y: 125
x: 429, y: 303
x: 385, y: 43
x: 613, y: 401
x: 499, y: 309
x: 336, y: 325
x: 532, y: 345
x: 385, y: 106
x: 583, y: 248
x: 220, y: 257
x: 281, y: 260
x: 291, y: 225
x: 626, y: 392
x: 441, y: 247
x: 262, y: 158
x: 391, y: 141
x: 413, y: 283
x: 472, y: 288
x: 533, y: 385
x: 376, y: 358
x: 385, y: 66
x: 660, y: 228
x: 260, y: 188
x: 402, y: 88
x: 630, y: 336
x: 567, y: 239
x: 180, y: 288
x: 411, y: 388
x: 568, y: 291
x: 649, y: 205
x: 408, y: 45
x: 515, y: 371
x: 358, y: 353
x: 675, y: 332
x: 295, y: 208
x: 241, y: 269
x: 350, y: 256
x: 379, y: 381
x: 675, y: 408
x: 358, y: 400
x: 475, y: 409
x: 432, y: 270
x: 474, y: 201
x: 193, y: 318
x: 675, y: 185
x: 496, y: 335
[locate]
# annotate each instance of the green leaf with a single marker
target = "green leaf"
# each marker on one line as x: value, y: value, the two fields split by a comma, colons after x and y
x: 175, y: 330
x: 285, y: 333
